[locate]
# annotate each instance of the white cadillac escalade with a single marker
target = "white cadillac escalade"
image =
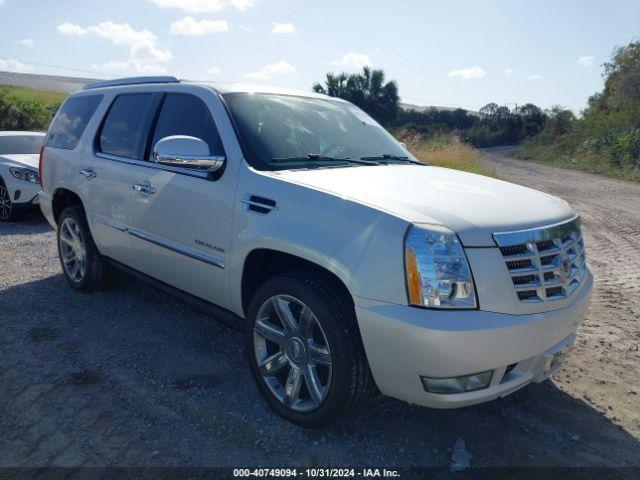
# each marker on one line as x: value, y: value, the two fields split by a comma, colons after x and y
x: 351, y: 266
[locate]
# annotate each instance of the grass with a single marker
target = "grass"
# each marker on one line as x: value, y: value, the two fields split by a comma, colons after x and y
x: 586, y: 161
x: 48, y: 97
x: 445, y: 150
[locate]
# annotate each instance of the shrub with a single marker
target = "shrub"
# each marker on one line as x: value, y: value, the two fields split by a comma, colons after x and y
x: 447, y: 150
x: 20, y: 114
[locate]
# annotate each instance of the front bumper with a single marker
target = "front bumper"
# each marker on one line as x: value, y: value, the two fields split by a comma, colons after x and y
x: 404, y: 343
x: 23, y: 194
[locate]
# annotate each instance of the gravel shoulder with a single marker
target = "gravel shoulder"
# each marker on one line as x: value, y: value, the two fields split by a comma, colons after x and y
x: 130, y: 377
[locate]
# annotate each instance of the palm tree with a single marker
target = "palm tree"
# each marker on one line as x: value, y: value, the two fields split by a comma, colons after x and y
x: 368, y: 90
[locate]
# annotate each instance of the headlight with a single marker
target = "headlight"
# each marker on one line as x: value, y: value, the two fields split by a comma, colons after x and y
x: 437, y: 270
x: 24, y: 174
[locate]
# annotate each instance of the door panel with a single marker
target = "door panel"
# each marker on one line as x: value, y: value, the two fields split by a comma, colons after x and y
x: 107, y: 176
x: 107, y: 196
x: 181, y: 223
x: 181, y: 233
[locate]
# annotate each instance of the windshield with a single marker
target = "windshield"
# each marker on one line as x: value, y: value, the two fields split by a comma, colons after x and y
x: 20, y: 144
x: 278, y: 130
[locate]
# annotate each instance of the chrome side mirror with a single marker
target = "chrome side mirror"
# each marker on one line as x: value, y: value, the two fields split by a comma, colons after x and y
x: 186, y: 152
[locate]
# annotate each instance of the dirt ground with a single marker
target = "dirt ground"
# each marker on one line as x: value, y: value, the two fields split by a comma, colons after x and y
x: 129, y: 377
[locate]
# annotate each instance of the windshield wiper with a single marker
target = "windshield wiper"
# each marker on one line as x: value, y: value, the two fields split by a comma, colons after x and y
x: 393, y: 158
x: 323, y: 158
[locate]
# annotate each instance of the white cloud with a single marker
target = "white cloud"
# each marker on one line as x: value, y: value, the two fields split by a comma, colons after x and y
x: 283, y: 28
x: 245, y: 28
x: 71, y: 29
x: 214, y: 71
x: 11, y: 65
x: 509, y: 71
x: 586, y: 60
x: 204, y: 6
x: 111, y: 67
x: 25, y: 42
x: 144, y: 53
x: 352, y: 59
x: 467, y: 73
x: 279, y: 68
x: 143, y: 44
x: 535, y: 76
x: 191, y: 27
x: 242, y: 5
x: 128, y: 67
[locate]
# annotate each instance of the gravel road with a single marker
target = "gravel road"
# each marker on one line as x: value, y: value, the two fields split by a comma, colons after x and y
x: 131, y: 377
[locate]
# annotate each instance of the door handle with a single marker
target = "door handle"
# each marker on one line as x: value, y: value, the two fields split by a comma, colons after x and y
x: 143, y: 188
x: 88, y: 172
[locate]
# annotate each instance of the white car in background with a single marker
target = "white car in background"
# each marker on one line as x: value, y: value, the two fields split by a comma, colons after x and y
x: 19, y: 181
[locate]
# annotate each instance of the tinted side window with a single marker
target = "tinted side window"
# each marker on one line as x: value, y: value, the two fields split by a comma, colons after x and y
x: 123, y: 129
x: 71, y: 120
x: 184, y: 114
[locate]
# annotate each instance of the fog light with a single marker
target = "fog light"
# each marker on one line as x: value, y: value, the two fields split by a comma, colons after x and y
x: 468, y: 383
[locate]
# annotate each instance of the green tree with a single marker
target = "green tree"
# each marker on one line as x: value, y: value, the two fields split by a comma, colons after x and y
x: 560, y: 120
x: 367, y: 89
x: 622, y: 76
x: 533, y: 119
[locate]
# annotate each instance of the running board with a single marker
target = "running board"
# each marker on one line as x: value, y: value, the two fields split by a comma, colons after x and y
x: 217, y: 313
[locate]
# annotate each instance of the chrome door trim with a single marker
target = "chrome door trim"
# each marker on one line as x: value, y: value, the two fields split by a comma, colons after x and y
x: 110, y: 223
x: 155, y: 166
x: 174, y: 247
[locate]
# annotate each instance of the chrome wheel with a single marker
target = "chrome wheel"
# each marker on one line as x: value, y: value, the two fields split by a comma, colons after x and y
x: 292, y: 353
x: 73, y: 252
x: 5, y: 203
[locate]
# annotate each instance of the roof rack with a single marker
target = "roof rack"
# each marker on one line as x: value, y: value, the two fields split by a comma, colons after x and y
x: 131, y: 81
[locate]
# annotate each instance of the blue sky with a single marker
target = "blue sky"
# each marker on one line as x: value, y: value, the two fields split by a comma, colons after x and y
x: 452, y: 53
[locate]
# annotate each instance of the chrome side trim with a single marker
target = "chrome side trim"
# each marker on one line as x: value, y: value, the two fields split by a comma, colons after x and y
x: 156, y: 166
x: 211, y: 260
x: 249, y: 201
x: 174, y: 247
x: 209, y: 163
x: 537, y: 234
x: 110, y: 223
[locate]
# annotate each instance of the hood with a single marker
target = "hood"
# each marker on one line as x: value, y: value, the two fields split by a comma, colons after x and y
x: 474, y: 206
x: 24, y: 159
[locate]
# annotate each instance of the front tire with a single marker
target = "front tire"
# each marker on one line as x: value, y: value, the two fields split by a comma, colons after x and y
x: 81, y: 262
x: 305, y: 351
x: 9, y: 211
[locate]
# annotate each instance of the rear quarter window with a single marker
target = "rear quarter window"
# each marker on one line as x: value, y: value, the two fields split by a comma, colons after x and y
x: 71, y: 121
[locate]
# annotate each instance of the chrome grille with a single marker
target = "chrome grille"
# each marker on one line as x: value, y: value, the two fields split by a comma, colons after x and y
x: 546, y: 263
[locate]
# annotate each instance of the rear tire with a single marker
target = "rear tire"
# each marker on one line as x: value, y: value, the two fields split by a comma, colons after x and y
x: 9, y: 211
x: 325, y: 368
x: 81, y: 262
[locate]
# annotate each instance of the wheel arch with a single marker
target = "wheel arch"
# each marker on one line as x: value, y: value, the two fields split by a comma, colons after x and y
x: 262, y: 264
x: 61, y: 199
